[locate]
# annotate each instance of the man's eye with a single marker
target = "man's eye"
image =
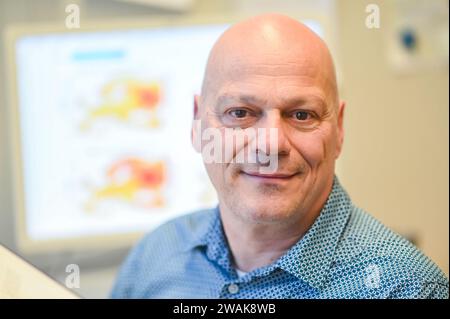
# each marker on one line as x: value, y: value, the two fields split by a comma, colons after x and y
x: 239, y: 113
x: 301, y: 115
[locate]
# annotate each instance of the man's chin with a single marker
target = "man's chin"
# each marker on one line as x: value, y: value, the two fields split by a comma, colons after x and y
x: 265, y: 211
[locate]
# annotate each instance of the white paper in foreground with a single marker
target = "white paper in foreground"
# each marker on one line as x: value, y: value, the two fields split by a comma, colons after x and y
x: 19, y: 279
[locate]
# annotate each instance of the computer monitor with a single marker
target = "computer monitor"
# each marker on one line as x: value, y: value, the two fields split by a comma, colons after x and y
x: 101, y: 122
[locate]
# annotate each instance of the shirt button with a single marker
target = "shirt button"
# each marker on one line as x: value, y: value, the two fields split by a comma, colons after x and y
x: 233, y: 289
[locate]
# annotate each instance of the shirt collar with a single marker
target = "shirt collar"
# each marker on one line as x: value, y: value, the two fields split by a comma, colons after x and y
x: 309, y: 259
x: 212, y: 236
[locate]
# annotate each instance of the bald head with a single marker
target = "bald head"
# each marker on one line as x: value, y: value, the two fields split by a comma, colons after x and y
x: 271, y: 74
x: 271, y: 44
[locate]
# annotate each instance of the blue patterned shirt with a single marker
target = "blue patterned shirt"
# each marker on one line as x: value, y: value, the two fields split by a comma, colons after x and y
x: 345, y: 254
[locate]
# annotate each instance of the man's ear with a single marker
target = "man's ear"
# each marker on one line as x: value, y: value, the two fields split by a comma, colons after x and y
x: 340, y: 128
x: 196, y: 103
x: 196, y: 126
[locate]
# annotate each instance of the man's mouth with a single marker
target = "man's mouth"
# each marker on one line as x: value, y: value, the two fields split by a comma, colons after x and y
x: 270, y: 177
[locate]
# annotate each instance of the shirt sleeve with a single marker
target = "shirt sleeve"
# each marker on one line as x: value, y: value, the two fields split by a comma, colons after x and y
x: 434, y: 290
x: 414, y: 289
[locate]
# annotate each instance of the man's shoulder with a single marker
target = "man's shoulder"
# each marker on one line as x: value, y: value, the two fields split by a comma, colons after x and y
x: 368, y: 244
x: 178, y: 232
x: 155, y: 253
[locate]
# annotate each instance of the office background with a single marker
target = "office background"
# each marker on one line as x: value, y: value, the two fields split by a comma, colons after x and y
x: 395, y: 158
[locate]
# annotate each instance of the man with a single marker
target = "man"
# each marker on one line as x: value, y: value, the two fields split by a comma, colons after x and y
x: 291, y: 232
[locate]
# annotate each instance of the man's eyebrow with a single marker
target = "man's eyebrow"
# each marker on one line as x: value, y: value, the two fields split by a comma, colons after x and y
x: 299, y: 100
x: 304, y: 99
x: 244, y: 98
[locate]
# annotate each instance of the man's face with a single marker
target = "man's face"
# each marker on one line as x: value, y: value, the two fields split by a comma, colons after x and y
x: 293, y: 95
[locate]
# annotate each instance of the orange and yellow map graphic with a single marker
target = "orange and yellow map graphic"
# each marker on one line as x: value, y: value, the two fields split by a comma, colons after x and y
x: 134, y: 181
x: 123, y: 97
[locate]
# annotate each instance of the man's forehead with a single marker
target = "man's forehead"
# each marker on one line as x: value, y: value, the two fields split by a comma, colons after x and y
x: 265, y: 64
x: 236, y: 66
x: 252, y: 82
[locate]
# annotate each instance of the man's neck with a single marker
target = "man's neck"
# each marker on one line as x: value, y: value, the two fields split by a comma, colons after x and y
x: 255, y: 245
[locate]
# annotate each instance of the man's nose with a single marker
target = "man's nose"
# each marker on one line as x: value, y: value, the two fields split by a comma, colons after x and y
x: 274, y: 135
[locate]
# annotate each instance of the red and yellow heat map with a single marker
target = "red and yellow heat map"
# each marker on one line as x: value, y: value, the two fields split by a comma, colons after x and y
x: 135, y: 181
x: 123, y: 97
